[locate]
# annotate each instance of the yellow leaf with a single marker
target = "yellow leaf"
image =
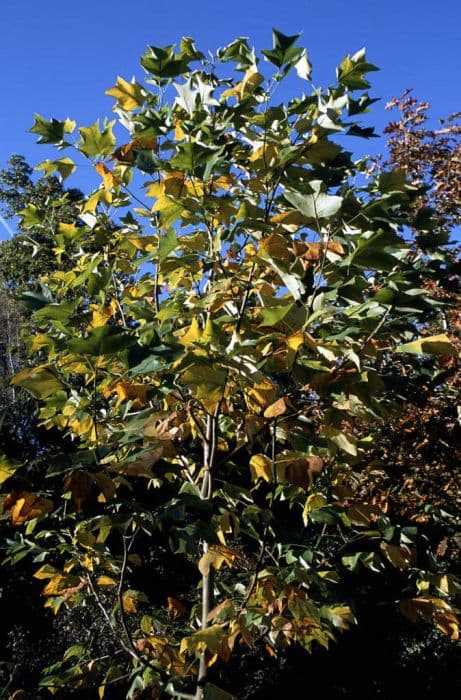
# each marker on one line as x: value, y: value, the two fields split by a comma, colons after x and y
x: 68, y: 230
x: 208, y: 639
x: 97, y: 197
x: 41, y: 382
x: 207, y: 383
x: 102, y: 313
x: 112, y: 674
x: 193, y: 333
x: 147, y: 243
x: 80, y: 485
x: 261, y: 468
x: 430, y: 345
x: 179, y: 134
x: 106, y: 174
x: 169, y: 209
x: 106, y: 581
x: 295, y: 341
x: 266, y: 155
x: 7, y: 467
x: 291, y: 220
x: 84, y: 427
x: 223, y: 182
x: 362, y: 514
x: 261, y: 395
x: 65, y: 586
x: 216, y: 556
x: 313, y: 502
x: 126, y: 153
x: 298, y: 469
x: 107, y: 486
x: 140, y: 467
x: 129, y: 96
x: 175, y: 185
x: 245, y: 87
x: 131, y: 599
x: 46, y: 571
x: 342, y: 616
x: 128, y: 391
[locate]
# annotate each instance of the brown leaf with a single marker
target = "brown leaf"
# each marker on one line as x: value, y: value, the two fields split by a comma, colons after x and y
x: 400, y: 556
x: 106, y: 485
x: 127, y: 152
x: 277, y: 246
x: 278, y: 408
x: 141, y: 467
x: 25, y: 506
x: 362, y: 514
x: 176, y: 607
x: 80, y: 484
x: 303, y: 470
x: 433, y: 610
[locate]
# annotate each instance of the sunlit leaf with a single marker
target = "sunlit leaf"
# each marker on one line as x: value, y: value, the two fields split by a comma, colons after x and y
x: 39, y: 381
x: 430, y: 345
x: 129, y: 96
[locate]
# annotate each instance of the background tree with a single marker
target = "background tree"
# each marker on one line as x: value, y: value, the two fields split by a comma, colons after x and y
x: 24, y: 259
x: 226, y: 394
x: 430, y: 158
x: 29, y: 254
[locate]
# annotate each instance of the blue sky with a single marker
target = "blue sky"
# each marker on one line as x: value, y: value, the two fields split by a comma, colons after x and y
x: 57, y: 58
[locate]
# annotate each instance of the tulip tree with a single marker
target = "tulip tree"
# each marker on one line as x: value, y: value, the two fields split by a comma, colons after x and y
x: 236, y: 303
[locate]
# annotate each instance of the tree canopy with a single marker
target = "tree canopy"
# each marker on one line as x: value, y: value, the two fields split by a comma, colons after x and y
x: 237, y: 312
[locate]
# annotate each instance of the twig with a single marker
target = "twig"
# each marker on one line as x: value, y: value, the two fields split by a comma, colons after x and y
x: 117, y: 301
x: 375, y: 330
x: 126, y: 549
x: 265, y: 534
x: 107, y: 619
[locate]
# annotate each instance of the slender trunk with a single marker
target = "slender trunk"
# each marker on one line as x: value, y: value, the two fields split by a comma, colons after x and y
x: 206, y: 491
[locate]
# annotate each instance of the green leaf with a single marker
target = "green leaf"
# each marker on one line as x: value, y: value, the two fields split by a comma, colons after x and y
x: 32, y: 216
x: 166, y: 244
x: 35, y: 300
x: 317, y: 205
x: 95, y: 142
x: 272, y: 315
x: 64, y: 166
x: 345, y: 442
x: 283, y: 51
x: 283, y: 41
x: 188, y: 50
x: 351, y: 71
x: 104, y: 340
x: 189, y: 156
x: 394, y: 181
x: 53, y: 131
x: 163, y: 63
x: 56, y: 312
x: 212, y: 692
